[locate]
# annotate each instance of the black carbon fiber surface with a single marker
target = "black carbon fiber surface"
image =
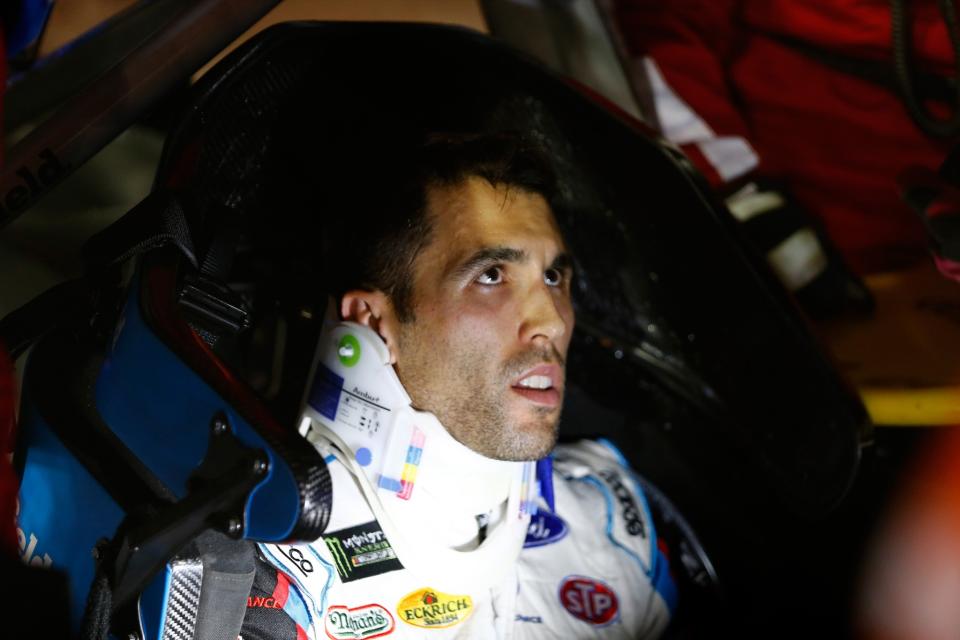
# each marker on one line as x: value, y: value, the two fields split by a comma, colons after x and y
x: 183, y: 599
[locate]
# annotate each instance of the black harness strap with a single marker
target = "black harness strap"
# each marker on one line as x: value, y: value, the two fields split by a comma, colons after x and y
x: 156, y: 221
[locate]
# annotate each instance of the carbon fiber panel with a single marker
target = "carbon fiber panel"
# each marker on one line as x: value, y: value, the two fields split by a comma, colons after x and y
x: 183, y: 599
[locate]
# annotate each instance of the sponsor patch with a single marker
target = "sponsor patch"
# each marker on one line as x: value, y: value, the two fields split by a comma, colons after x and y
x: 545, y: 528
x: 531, y: 619
x: 298, y: 559
x: 361, y: 551
x: 589, y: 600
x: 431, y: 609
x: 630, y: 512
x: 367, y: 621
x: 265, y: 602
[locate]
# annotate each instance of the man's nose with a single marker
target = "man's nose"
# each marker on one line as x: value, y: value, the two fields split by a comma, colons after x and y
x: 542, y: 315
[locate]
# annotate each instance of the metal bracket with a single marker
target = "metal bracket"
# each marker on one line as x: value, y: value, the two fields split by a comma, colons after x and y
x: 218, y: 491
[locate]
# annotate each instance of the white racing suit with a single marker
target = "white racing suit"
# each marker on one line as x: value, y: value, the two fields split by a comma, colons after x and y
x: 430, y: 539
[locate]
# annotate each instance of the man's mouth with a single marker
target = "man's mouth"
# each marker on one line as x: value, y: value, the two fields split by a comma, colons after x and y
x: 540, y: 385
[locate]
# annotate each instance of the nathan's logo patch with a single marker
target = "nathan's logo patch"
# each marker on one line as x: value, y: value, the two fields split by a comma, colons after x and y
x: 361, y: 551
x: 631, y: 514
x: 545, y: 528
x: 368, y: 621
x: 430, y: 609
x: 589, y: 600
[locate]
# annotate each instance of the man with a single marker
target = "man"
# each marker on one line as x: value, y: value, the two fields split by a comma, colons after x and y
x: 812, y: 107
x: 433, y: 400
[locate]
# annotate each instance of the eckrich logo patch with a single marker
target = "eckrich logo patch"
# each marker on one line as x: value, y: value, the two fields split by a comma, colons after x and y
x: 368, y: 621
x: 430, y: 609
x: 545, y: 528
x: 361, y: 551
x: 589, y: 600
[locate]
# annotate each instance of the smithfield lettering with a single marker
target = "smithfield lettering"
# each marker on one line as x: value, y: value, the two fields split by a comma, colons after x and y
x: 47, y: 174
x: 28, y: 551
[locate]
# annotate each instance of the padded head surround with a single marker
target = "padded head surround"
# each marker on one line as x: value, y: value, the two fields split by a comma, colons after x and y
x: 680, y: 325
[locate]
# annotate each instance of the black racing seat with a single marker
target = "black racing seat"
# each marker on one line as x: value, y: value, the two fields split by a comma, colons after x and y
x: 190, y: 377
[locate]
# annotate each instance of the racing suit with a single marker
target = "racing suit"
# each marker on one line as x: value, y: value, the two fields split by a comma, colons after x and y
x: 802, y: 93
x: 462, y: 545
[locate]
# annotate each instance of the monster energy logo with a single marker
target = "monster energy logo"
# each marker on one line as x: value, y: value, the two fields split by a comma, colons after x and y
x: 361, y: 551
x: 348, y: 559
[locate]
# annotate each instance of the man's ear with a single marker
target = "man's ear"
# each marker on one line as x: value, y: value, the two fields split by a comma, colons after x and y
x: 375, y: 310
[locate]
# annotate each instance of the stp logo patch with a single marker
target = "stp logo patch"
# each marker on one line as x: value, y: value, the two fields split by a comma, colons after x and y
x: 589, y: 600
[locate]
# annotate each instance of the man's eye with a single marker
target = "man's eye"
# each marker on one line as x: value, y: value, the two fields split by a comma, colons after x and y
x: 553, y: 277
x: 493, y: 275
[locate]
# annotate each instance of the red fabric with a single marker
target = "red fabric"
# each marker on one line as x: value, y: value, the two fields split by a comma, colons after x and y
x: 836, y: 140
x: 8, y: 480
x: 282, y: 591
x: 948, y: 268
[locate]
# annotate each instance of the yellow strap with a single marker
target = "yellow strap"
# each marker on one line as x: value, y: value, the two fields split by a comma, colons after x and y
x: 936, y: 406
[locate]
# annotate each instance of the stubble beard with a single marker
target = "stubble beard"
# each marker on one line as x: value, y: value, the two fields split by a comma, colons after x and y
x: 471, y: 404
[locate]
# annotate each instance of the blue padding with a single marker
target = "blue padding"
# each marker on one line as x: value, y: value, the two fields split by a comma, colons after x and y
x: 162, y: 411
x: 152, y: 607
x: 63, y: 510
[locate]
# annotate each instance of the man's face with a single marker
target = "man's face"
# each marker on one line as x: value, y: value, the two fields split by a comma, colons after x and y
x: 492, y: 320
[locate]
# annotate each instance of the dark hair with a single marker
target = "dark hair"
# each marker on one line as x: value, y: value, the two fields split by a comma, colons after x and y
x: 378, y: 218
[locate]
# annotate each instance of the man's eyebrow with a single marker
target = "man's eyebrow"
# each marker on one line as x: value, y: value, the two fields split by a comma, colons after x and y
x: 490, y: 256
x: 563, y: 262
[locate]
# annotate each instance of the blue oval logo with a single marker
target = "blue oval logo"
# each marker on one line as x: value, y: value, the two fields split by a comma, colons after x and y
x: 545, y: 528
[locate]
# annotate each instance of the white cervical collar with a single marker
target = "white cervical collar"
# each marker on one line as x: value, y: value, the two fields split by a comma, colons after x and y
x: 416, y: 477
